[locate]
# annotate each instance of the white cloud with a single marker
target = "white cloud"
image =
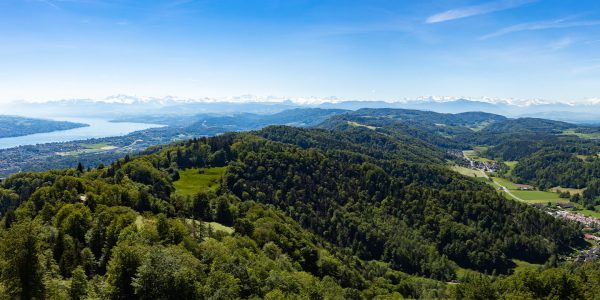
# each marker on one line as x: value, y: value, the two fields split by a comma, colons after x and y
x: 561, y: 44
x: 469, y: 11
x: 49, y: 3
x: 553, y: 24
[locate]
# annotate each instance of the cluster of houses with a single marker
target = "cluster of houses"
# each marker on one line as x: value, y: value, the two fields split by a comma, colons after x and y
x: 488, y: 166
x: 575, y: 217
x: 588, y: 255
x: 592, y: 237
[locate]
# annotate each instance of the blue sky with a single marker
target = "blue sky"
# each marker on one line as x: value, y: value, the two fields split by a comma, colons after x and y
x: 376, y: 49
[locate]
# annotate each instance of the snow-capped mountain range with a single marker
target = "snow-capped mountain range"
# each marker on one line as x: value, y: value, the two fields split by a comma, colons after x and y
x: 585, y: 111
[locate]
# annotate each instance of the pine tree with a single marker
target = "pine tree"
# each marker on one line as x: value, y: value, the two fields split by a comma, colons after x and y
x: 78, y: 284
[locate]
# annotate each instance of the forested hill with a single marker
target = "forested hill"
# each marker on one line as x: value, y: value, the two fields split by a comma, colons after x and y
x: 350, y: 213
x: 16, y: 126
x: 449, y: 131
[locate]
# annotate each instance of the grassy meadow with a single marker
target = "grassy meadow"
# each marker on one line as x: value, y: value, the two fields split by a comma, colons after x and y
x: 191, y: 181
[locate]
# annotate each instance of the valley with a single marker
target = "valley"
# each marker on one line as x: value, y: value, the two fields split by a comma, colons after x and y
x: 344, y: 199
x: 302, y: 150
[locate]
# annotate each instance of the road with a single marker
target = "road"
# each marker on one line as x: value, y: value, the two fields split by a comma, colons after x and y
x: 509, y: 192
x: 504, y: 189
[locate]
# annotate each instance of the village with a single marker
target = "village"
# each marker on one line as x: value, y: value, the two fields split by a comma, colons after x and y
x: 487, y: 166
x: 560, y: 211
x: 590, y: 222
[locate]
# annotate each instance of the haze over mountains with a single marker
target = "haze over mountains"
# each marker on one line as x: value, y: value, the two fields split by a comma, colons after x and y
x: 123, y: 106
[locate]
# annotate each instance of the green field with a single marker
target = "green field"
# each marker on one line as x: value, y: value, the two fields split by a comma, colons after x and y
x: 480, y: 126
x: 191, y: 181
x: 475, y: 154
x: 587, y: 136
x: 539, y: 196
x: 525, y: 265
x: 506, y: 183
x: 590, y: 213
x: 214, y: 226
x: 354, y: 124
x: 88, y: 148
x: 511, y: 166
x: 559, y: 189
x: 141, y: 221
x: 467, y: 171
x: 530, y: 196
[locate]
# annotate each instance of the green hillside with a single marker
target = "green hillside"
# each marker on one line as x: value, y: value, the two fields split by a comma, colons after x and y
x: 281, y: 213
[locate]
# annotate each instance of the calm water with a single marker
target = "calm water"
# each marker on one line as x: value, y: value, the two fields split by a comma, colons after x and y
x: 98, y: 128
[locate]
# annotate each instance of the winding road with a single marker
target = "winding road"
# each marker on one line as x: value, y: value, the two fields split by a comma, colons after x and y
x: 504, y: 189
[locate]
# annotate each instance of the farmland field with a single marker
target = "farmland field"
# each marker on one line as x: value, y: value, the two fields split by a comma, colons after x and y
x: 539, y: 196
x: 590, y: 213
x: 467, y: 171
x: 355, y: 124
x: 506, y: 183
x: 588, y: 136
x: 571, y: 191
x: 530, y: 196
x: 89, y: 148
x: 475, y: 154
x: 191, y: 181
x: 511, y: 166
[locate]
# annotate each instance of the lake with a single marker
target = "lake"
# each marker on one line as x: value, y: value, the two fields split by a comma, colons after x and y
x: 99, y: 128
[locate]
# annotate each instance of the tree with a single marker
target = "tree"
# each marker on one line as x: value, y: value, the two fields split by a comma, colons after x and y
x: 168, y: 273
x: 162, y: 227
x: 223, y: 213
x: 9, y: 218
x: 201, y: 206
x: 20, y: 269
x: 78, y: 284
x: 219, y: 158
x: 74, y: 220
x: 88, y: 261
x: 126, y: 258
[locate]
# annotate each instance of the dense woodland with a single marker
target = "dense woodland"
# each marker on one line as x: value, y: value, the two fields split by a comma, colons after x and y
x: 550, y: 153
x: 348, y: 211
x: 352, y: 213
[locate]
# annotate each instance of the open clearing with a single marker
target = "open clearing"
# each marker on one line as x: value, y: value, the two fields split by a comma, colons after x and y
x: 475, y: 154
x: 88, y: 148
x: 521, y: 264
x: 587, y: 136
x: 354, y: 124
x: 590, y: 213
x: 531, y: 197
x: 506, y: 183
x: 559, y: 189
x: 539, y: 196
x: 511, y: 166
x: 141, y: 221
x: 214, y: 226
x: 467, y: 171
x: 191, y: 181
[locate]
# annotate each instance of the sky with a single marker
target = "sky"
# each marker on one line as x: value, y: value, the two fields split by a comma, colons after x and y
x: 350, y: 49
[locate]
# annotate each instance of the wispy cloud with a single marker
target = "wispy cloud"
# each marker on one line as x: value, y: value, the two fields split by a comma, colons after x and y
x: 475, y: 10
x: 49, y: 3
x: 561, y: 43
x: 553, y: 24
